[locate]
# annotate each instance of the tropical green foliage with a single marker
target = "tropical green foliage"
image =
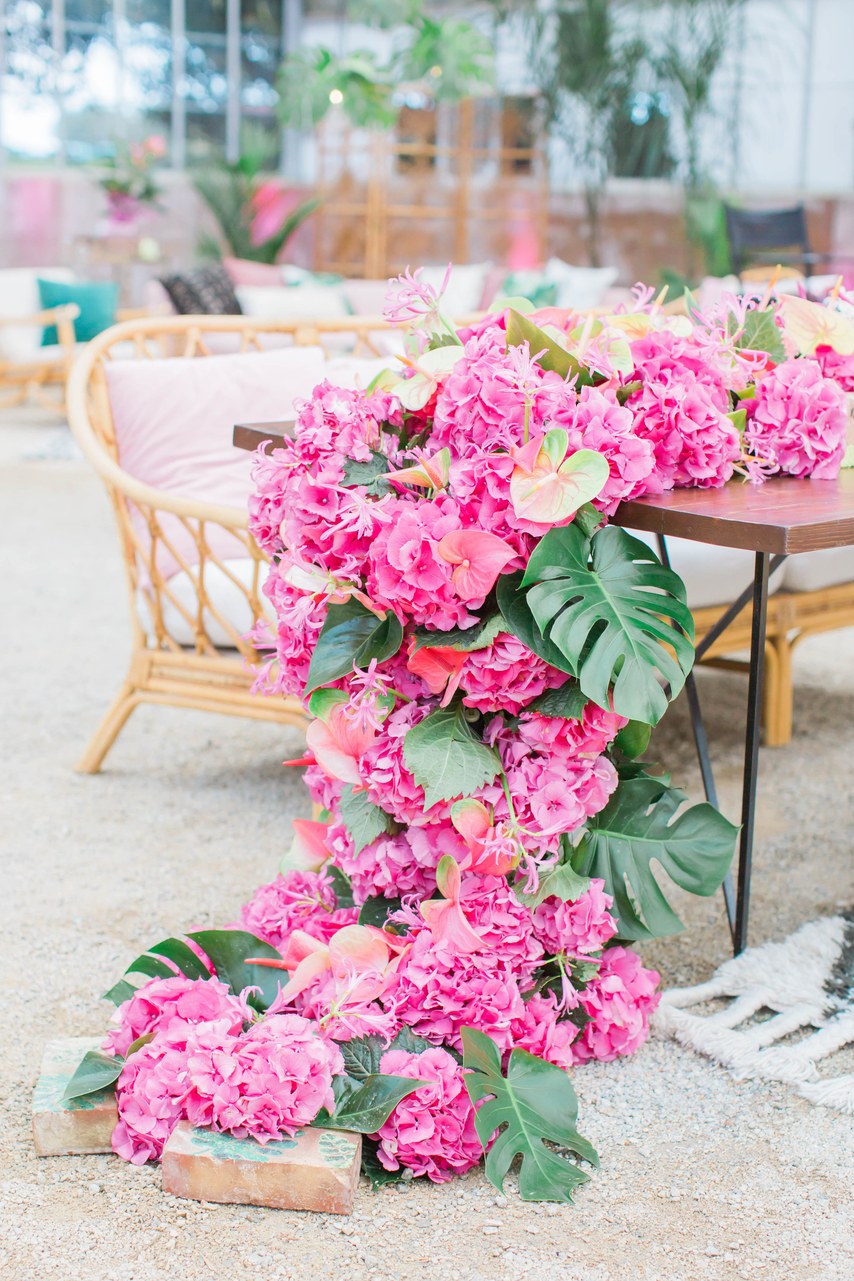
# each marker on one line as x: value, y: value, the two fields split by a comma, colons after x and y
x: 446, y: 757
x: 350, y: 637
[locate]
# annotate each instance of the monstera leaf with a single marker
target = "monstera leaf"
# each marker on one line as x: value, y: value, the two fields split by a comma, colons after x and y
x: 616, y: 614
x: 639, y: 824
x: 534, y: 1102
x: 229, y: 952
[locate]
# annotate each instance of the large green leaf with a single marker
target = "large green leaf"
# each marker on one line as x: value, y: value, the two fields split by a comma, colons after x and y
x: 761, y: 332
x: 97, y: 1071
x: 533, y: 1103
x: 362, y: 1054
x: 363, y: 820
x: 148, y: 965
x: 566, y: 703
x: 229, y: 950
x: 463, y: 638
x: 520, y: 621
x: 365, y: 1105
x: 350, y: 637
x: 446, y: 758
x: 555, y: 358
x: 615, y: 613
x: 639, y: 824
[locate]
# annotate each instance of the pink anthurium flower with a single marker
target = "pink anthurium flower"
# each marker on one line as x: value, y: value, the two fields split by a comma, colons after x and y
x: 546, y: 486
x: 431, y: 368
x: 308, y: 850
x: 337, y: 744
x: 493, y: 853
x: 445, y: 916
x: 478, y: 558
x: 439, y: 666
x: 430, y: 473
x: 810, y: 325
x: 356, y: 952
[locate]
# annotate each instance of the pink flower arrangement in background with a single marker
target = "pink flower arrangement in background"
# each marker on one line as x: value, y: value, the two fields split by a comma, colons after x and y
x: 458, y: 756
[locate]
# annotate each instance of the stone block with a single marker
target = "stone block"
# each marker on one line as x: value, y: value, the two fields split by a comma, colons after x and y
x: 70, y: 1129
x: 315, y: 1170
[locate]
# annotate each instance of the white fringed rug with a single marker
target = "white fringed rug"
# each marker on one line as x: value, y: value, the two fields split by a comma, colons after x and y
x: 786, y: 1007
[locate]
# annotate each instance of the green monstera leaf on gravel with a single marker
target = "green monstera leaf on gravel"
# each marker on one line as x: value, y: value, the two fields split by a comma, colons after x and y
x: 616, y: 614
x: 639, y: 824
x: 446, y: 757
x: 533, y: 1104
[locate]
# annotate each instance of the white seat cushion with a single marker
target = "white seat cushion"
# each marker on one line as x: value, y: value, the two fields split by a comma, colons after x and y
x: 19, y: 296
x: 226, y: 601
x: 712, y: 575
x: 292, y: 302
x: 811, y: 571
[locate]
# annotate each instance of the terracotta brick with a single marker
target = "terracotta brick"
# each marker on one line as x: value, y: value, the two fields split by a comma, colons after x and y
x: 70, y: 1129
x: 315, y: 1170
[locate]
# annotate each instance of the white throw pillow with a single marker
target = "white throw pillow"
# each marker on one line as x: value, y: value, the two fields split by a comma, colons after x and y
x: 292, y: 302
x: 579, y: 287
x: 465, y: 287
x: 19, y: 296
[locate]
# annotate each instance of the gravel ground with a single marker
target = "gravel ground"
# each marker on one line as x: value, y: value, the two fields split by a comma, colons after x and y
x: 701, y: 1177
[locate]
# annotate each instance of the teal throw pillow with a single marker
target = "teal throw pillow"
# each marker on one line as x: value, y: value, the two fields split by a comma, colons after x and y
x: 97, y: 301
x: 531, y: 285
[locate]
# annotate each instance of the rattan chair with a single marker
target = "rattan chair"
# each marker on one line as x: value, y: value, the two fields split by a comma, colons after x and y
x: 186, y: 650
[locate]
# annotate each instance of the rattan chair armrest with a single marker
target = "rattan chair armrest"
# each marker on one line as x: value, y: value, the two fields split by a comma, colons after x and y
x: 50, y: 316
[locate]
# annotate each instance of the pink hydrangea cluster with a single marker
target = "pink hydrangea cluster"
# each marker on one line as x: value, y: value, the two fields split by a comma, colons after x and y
x: 295, y: 900
x: 265, y: 1082
x: 576, y: 928
x: 431, y: 1132
x: 619, y: 1002
x: 173, y: 1005
x: 797, y: 421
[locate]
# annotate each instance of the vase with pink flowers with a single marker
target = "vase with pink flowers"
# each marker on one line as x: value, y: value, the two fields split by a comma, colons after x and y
x: 129, y: 183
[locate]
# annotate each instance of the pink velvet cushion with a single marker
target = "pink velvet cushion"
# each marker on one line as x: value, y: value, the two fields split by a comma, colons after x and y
x: 174, y: 419
x: 243, y: 271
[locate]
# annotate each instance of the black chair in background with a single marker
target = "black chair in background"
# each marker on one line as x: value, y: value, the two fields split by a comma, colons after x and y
x: 760, y: 236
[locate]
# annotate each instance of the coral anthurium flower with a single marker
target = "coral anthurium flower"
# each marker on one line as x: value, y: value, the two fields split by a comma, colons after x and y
x: 478, y: 558
x: 548, y: 487
x: 430, y: 473
x: 492, y: 852
x: 338, y: 743
x: 439, y: 666
x: 810, y: 325
x: 356, y: 952
x: 308, y: 850
x: 445, y: 916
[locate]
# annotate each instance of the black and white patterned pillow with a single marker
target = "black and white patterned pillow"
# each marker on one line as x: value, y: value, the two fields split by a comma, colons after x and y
x: 202, y: 291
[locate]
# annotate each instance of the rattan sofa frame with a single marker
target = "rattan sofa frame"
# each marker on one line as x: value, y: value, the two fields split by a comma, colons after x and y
x: 163, y: 670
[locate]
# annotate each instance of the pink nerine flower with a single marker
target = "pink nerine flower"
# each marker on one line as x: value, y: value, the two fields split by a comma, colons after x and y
x: 172, y: 1005
x: 619, y: 1002
x: 266, y: 1083
x: 432, y: 1131
x: 798, y: 420
x: 578, y: 928
x: 295, y: 900
x: 540, y: 1031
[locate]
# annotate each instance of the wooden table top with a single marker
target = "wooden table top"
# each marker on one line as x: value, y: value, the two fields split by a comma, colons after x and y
x: 782, y: 515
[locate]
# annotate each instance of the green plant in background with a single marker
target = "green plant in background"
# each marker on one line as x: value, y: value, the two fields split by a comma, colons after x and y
x: 585, y: 58
x: 450, y: 57
x: 254, y: 214
x: 694, y: 44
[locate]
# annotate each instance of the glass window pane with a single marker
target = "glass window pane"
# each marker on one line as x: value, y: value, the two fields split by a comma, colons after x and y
x: 29, y: 112
x: 204, y: 17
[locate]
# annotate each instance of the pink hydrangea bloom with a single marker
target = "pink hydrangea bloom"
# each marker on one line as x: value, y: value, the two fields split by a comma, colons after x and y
x: 506, y: 676
x: 577, y: 928
x: 396, y: 865
x: 266, y: 1083
x: 432, y: 1131
x: 587, y: 736
x: 619, y: 1001
x: 295, y: 900
x: 170, y: 1005
x: 798, y: 420
x: 405, y: 571
x: 839, y: 368
x: 150, y: 1093
x: 541, y: 1031
x: 693, y: 440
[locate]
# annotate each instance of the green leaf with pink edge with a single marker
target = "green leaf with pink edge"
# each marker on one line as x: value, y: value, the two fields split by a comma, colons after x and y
x: 530, y: 1106
x: 552, y: 490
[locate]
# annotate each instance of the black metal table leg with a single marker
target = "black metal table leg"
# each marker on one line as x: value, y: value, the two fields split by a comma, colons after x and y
x: 737, y: 900
x: 751, y: 750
